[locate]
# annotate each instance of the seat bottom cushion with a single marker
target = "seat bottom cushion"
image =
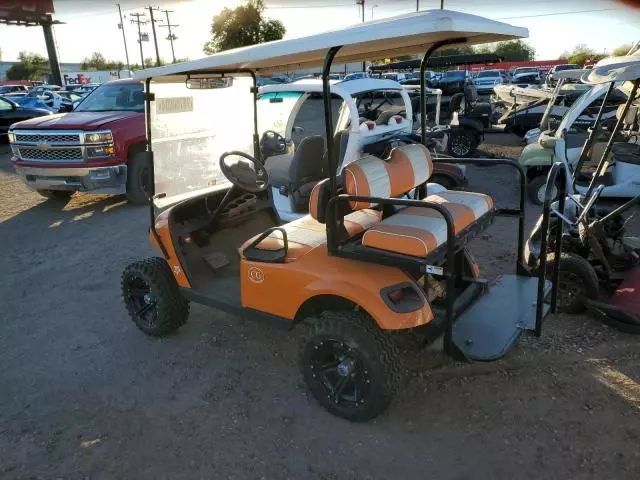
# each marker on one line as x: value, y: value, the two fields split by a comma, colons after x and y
x: 306, y: 233
x: 417, y: 231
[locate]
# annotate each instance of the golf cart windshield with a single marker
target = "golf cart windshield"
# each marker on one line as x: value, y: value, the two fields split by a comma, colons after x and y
x: 274, y: 111
x: 191, y: 128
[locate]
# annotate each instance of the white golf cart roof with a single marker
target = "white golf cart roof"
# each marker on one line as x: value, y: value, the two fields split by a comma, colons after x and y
x: 571, y: 74
x: 384, y: 38
x: 614, y: 69
x: 350, y: 87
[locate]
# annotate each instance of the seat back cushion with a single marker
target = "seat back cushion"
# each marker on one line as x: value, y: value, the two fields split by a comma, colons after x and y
x: 318, y: 200
x: 407, y: 167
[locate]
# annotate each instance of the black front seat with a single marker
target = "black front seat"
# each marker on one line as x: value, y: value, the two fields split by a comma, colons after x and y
x: 296, y: 176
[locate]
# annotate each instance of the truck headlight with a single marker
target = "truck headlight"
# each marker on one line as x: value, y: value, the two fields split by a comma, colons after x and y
x: 12, y: 137
x: 98, y: 137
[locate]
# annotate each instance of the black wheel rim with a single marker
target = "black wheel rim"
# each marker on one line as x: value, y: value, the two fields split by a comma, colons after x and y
x: 461, y: 145
x: 570, y: 289
x: 142, y: 302
x: 340, y: 373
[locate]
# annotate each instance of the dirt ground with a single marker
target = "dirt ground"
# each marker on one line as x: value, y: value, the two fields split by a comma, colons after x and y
x: 84, y: 394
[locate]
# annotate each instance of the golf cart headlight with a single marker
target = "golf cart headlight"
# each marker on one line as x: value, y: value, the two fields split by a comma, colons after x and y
x: 12, y: 137
x: 98, y: 137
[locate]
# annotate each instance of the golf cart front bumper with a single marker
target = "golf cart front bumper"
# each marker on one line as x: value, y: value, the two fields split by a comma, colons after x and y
x: 100, y: 180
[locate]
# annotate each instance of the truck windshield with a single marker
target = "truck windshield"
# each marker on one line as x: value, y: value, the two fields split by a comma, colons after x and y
x: 488, y: 73
x: 454, y: 74
x: 114, y: 97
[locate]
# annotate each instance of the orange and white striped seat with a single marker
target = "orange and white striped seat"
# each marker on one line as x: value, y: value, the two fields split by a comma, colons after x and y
x: 309, y: 232
x: 413, y: 231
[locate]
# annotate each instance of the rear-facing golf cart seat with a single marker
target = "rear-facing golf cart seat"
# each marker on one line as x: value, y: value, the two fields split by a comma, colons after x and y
x: 412, y: 231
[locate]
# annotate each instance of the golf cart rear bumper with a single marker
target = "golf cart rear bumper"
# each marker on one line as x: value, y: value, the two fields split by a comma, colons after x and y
x: 101, y: 180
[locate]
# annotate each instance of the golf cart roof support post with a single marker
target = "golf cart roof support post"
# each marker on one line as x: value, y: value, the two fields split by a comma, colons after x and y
x: 552, y: 181
x: 328, y: 119
x: 148, y: 97
x: 592, y: 132
x: 256, y: 138
x: 423, y: 96
x: 600, y: 170
x: 544, y: 122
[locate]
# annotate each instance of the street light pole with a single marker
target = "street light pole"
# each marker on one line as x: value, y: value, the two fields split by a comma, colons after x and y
x: 361, y: 2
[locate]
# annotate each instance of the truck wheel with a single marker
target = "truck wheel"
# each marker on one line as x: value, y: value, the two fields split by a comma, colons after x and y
x: 56, y: 194
x: 536, y: 189
x: 138, y: 179
x: 577, y: 280
x: 348, y: 364
x: 152, y: 297
x: 462, y: 143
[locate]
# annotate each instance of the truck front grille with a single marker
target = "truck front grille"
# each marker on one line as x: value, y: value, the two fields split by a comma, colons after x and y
x: 54, y: 154
x: 44, y: 137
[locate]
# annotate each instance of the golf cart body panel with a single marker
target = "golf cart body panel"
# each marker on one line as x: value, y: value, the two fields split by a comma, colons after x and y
x: 535, y: 155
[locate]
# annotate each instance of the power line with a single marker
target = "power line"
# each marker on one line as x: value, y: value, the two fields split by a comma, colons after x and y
x: 575, y: 12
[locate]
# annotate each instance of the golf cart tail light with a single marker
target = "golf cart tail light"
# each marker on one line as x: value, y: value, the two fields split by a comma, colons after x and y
x: 398, y: 119
x: 370, y: 125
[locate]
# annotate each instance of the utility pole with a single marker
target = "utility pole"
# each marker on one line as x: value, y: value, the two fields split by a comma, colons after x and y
x: 153, y: 29
x: 139, y: 22
x: 441, y: 4
x: 361, y: 2
x: 171, y: 37
x: 124, y: 38
x: 417, y: 5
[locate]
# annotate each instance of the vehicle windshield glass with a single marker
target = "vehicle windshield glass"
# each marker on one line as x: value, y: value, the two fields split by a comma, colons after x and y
x: 454, y: 74
x: 274, y: 110
x: 527, y: 70
x: 190, y: 129
x: 566, y: 67
x: 488, y: 74
x: 114, y: 97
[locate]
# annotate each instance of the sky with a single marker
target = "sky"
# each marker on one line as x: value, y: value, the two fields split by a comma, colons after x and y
x: 90, y: 26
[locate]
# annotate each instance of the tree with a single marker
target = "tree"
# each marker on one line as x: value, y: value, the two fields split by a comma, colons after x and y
x: 97, y: 62
x: 31, y: 66
x: 514, y: 50
x: 621, y: 50
x: 242, y: 26
x: 580, y: 54
x: 460, y: 50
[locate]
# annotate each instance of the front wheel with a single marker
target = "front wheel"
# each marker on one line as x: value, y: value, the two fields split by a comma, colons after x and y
x: 537, y: 188
x: 138, y: 179
x: 462, y: 143
x: 576, y: 280
x: 152, y: 297
x: 349, y: 365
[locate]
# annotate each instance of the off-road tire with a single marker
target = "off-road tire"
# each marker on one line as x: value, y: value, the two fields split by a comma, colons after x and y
x: 377, y: 357
x: 469, y: 137
x: 138, y: 179
x: 575, y: 273
x: 56, y: 194
x: 170, y: 309
x: 536, y: 189
x: 446, y: 182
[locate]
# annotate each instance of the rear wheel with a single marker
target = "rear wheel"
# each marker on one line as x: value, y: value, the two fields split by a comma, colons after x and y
x: 349, y: 365
x: 152, y: 297
x: 138, y: 179
x: 56, y: 194
x: 577, y: 280
x: 536, y: 189
x: 462, y: 143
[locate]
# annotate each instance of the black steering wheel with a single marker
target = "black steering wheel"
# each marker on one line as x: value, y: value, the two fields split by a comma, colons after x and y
x: 246, y: 173
x: 272, y: 143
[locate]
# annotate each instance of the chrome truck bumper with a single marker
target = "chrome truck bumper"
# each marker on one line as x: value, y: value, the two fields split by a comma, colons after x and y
x: 100, y: 180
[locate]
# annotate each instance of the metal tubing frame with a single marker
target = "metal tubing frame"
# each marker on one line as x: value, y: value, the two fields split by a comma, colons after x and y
x: 335, y: 221
x: 592, y: 133
x: 328, y: 118
x: 603, y: 159
x: 552, y: 181
x: 423, y: 96
x: 521, y: 266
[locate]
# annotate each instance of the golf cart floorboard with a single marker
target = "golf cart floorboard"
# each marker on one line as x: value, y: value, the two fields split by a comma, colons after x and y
x: 489, y: 327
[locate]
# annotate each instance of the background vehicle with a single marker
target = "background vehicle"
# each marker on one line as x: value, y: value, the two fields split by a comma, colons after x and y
x: 355, y: 76
x: 486, y: 80
x: 13, y: 89
x: 527, y: 75
x: 552, y: 79
x: 454, y: 81
x: 97, y: 148
x: 12, y: 112
x: 395, y: 76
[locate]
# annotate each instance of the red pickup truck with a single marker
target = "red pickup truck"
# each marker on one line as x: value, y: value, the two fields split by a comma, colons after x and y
x: 97, y: 148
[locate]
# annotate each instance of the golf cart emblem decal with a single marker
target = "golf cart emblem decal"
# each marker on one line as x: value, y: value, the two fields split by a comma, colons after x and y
x: 43, y: 146
x: 256, y: 275
x: 176, y: 270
